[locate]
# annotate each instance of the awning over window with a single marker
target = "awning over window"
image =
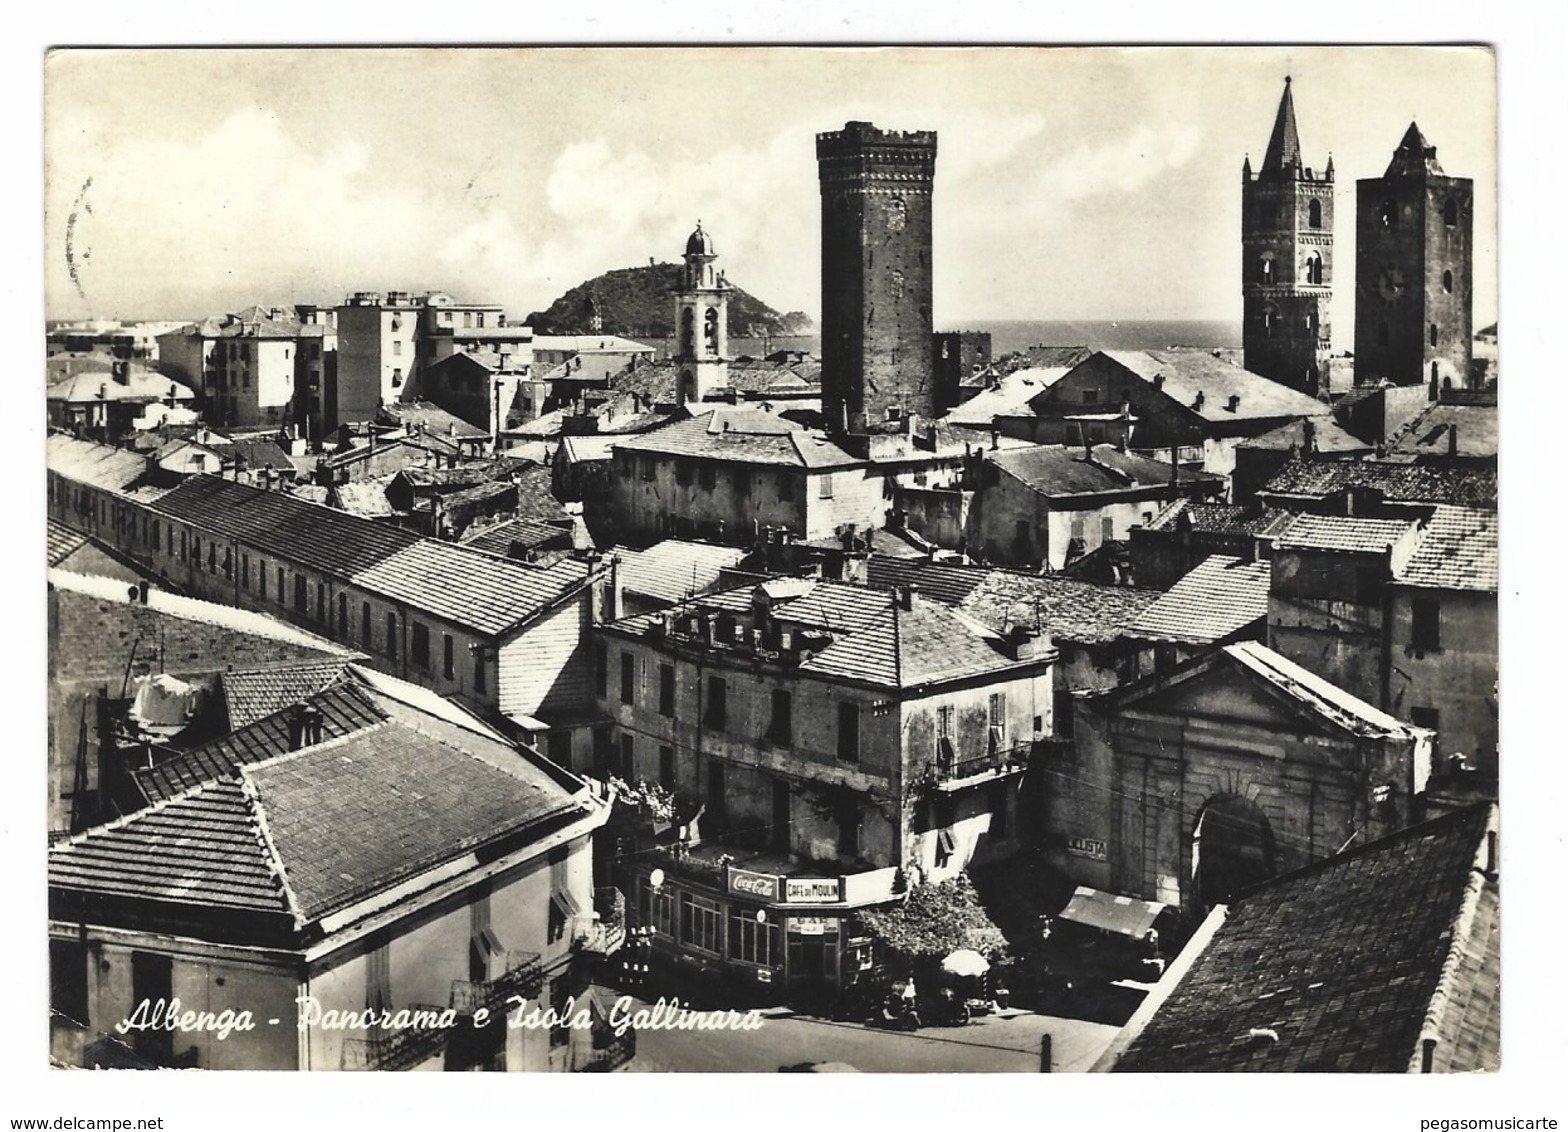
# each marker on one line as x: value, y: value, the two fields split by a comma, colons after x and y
x: 1124, y: 915
x: 565, y: 903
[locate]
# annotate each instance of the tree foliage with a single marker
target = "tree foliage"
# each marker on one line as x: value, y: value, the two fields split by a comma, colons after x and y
x: 935, y: 919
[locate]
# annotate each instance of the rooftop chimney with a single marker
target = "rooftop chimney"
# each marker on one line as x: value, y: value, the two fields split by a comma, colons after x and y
x: 1453, y: 440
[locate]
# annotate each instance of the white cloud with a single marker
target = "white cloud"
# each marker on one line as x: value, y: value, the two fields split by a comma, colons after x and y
x: 1122, y: 165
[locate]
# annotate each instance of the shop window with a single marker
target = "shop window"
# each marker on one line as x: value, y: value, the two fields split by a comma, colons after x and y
x: 751, y: 942
x: 658, y: 909
x: 700, y: 923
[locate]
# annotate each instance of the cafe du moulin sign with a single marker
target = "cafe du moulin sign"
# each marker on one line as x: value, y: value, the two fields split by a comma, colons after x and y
x: 786, y: 890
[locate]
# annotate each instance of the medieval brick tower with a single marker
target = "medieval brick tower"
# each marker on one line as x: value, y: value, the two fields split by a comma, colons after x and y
x: 1413, y: 255
x: 1287, y: 241
x: 876, y: 276
x: 701, y: 318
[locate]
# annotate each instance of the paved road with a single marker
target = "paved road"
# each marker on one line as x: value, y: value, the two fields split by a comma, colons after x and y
x: 993, y: 1044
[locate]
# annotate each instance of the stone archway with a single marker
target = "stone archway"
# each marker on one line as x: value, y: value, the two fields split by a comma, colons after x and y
x: 1232, y: 849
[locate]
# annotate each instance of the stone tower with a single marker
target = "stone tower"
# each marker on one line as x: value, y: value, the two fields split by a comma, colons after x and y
x: 876, y: 277
x: 1413, y: 256
x: 701, y: 317
x: 1287, y: 242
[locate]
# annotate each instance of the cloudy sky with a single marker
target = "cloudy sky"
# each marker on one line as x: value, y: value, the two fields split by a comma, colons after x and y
x: 1071, y: 183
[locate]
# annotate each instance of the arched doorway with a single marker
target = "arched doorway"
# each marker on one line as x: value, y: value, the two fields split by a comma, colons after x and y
x: 1232, y: 849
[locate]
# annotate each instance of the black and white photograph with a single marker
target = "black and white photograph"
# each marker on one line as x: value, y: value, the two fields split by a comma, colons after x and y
x: 762, y: 558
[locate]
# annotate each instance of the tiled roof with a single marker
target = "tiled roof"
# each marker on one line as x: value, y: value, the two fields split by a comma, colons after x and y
x: 673, y: 570
x: 343, y: 709
x: 1220, y: 518
x: 1057, y: 470
x: 355, y: 816
x: 1327, y: 436
x: 1457, y: 550
x: 337, y: 821
x: 96, y: 465
x: 63, y: 542
x: 365, y: 498
x: 873, y: 639
x: 1066, y: 608
x: 1219, y: 598
x: 744, y: 436
x: 1187, y: 373
x: 453, y: 582
x: 1012, y: 394
x: 1056, y: 357
x: 250, y: 694
x: 528, y: 534
x: 1342, y: 967
x: 141, y: 384
x: 206, y: 847
x: 1404, y: 483
x: 1414, y: 157
x: 1343, y: 532
x: 423, y: 416
x: 1471, y: 430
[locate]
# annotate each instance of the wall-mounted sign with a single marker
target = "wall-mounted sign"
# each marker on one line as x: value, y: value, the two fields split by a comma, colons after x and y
x: 763, y: 885
x: 808, y: 890
x: 808, y: 925
x: 1091, y: 847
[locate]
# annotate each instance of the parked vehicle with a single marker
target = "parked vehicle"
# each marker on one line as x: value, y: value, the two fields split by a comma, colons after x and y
x: 1104, y: 938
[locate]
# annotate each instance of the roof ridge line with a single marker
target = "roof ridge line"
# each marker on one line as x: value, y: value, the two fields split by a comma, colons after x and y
x: 151, y: 808
x: 1460, y: 927
x: 245, y: 769
x: 275, y: 858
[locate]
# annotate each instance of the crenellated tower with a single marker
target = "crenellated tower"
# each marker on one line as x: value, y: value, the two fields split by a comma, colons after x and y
x: 701, y: 323
x: 876, y: 277
x: 1287, y: 250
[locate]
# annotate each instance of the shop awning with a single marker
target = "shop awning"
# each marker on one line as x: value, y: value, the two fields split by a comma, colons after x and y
x: 1124, y: 915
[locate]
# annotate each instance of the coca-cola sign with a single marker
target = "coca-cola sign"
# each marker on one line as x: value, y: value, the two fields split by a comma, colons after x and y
x: 762, y: 885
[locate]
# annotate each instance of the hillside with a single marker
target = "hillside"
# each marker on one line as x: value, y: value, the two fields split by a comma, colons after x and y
x: 636, y: 302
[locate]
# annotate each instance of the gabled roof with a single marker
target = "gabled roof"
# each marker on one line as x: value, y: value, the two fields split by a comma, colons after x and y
x: 1457, y: 550
x: 1066, y: 608
x: 453, y: 582
x: 316, y: 830
x: 1348, y: 533
x: 96, y: 465
x: 423, y: 416
x: 1185, y: 374
x: 1444, y: 429
x: 1327, y: 436
x: 1346, y: 966
x: 250, y: 694
x: 1013, y: 392
x: 1402, y: 483
x: 524, y: 534
x: 1220, y: 597
x: 873, y: 639
x: 63, y: 542
x: 1058, y: 471
x: 674, y: 570
x: 141, y: 385
x: 743, y: 436
x: 1219, y: 518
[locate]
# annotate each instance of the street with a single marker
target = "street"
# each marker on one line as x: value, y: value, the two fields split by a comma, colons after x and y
x: 985, y: 1045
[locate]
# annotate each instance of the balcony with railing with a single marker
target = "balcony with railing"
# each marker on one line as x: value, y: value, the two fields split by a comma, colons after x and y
x: 606, y: 932
x: 950, y: 773
x: 522, y: 975
x: 395, y: 1050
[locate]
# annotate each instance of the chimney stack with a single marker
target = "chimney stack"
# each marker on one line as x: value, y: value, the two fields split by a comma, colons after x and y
x: 1453, y: 440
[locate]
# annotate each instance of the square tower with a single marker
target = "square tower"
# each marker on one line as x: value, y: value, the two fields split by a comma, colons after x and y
x: 1413, y: 263
x: 1287, y: 241
x: 876, y: 276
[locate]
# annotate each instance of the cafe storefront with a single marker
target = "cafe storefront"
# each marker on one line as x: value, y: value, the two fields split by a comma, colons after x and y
x: 768, y: 934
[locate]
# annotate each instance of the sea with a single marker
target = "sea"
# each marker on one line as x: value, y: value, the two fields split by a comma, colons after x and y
x: 1009, y: 336
x: 1012, y: 336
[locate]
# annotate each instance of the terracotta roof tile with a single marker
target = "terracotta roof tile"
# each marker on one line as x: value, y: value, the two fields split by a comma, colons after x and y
x: 1349, y: 962
x: 1457, y: 551
x: 1219, y: 598
x: 251, y: 694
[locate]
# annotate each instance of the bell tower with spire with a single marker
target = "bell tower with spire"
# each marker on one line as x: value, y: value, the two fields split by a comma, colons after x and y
x: 1287, y: 251
x: 701, y: 320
